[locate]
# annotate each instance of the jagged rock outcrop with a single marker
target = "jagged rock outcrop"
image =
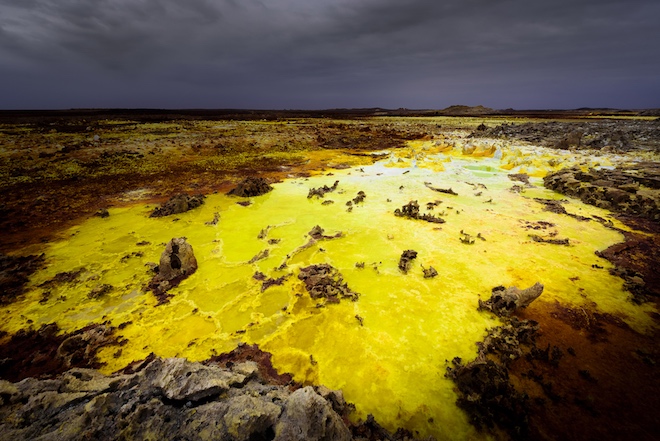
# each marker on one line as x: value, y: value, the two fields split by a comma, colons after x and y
x: 411, y: 211
x: 619, y: 190
x: 405, y: 261
x: 321, y: 191
x: 250, y: 187
x: 177, y: 399
x: 324, y: 281
x: 166, y: 399
x: 178, y: 204
x: 177, y: 262
x: 504, y: 301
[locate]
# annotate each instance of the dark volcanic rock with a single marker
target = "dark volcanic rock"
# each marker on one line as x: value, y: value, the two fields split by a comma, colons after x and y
x: 617, y: 190
x: 250, y: 187
x: 178, y: 204
x: 324, y: 281
x: 177, y: 262
x: 615, y: 135
x: 488, y: 397
x: 14, y: 274
x: 485, y: 391
x: 321, y: 191
x: 636, y: 261
x: 405, y: 261
x: 411, y: 211
x: 102, y: 213
x: 504, y: 301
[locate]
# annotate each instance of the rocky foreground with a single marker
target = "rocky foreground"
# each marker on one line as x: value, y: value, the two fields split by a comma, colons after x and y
x: 177, y: 399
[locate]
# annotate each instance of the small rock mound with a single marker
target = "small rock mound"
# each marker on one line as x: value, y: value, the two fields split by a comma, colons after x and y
x: 321, y: 191
x: 178, y: 204
x: 251, y: 187
x: 177, y: 262
x: 411, y: 211
x: 504, y: 301
x: 405, y: 262
x: 324, y: 281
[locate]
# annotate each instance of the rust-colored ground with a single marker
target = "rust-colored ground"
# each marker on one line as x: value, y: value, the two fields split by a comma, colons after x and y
x: 605, y: 385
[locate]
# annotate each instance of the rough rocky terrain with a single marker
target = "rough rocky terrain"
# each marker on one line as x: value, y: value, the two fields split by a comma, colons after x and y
x: 632, y: 190
x: 519, y: 383
x: 236, y: 396
x: 607, y: 134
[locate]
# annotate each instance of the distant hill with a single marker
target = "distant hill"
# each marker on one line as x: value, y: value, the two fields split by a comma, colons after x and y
x: 459, y: 110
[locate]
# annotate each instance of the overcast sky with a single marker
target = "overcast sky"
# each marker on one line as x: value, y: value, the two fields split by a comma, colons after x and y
x: 316, y: 54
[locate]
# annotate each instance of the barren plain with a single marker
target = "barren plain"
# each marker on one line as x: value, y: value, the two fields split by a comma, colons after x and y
x: 367, y: 274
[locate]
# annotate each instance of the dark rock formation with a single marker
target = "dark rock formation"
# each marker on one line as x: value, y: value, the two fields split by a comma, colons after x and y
x: 100, y: 291
x: 595, y: 134
x: 357, y: 199
x: 267, y: 282
x: 485, y: 390
x: 617, y: 190
x: 411, y: 211
x: 429, y: 272
x: 321, y: 191
x: 47, y: 352
x: 14, y: 274
x: 251, y: 187
x: 102, y: 213
x: 488, y: 397
x: 324, y: 281
x: 177, y: 262
x: 504, y: 301
x: 520, y: 177
x: 636, y: 261
x: 550, y: 240
x: 178, y: 204
x: 405, y: 261
x: 508, y: 342
x: 440, y: 190
x: 316, y: 233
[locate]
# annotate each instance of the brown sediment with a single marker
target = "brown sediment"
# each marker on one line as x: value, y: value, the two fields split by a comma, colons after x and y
x: 246, y: 352
x: 605, y: 386
x: 14, y: 274
x: 555, y: 372
x: 45, y: 352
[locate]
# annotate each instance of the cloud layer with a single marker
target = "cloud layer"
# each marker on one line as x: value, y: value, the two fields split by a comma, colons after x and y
x: 329, y: 53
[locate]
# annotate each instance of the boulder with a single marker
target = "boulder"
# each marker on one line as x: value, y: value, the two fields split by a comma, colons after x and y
x: 178, y: 204
x: 405, y: 261
x: 250, y: 187
x: 505, y: 301
x: 177, y: 262
x: 308, y: 417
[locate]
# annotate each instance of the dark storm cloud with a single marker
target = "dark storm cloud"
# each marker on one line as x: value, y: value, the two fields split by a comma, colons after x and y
x: 299, y: 53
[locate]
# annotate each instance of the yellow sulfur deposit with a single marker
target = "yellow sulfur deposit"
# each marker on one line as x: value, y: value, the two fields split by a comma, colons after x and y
x: 388, y: 350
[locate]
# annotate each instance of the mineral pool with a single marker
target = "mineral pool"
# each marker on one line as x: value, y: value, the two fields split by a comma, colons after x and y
x: 388, y: 350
